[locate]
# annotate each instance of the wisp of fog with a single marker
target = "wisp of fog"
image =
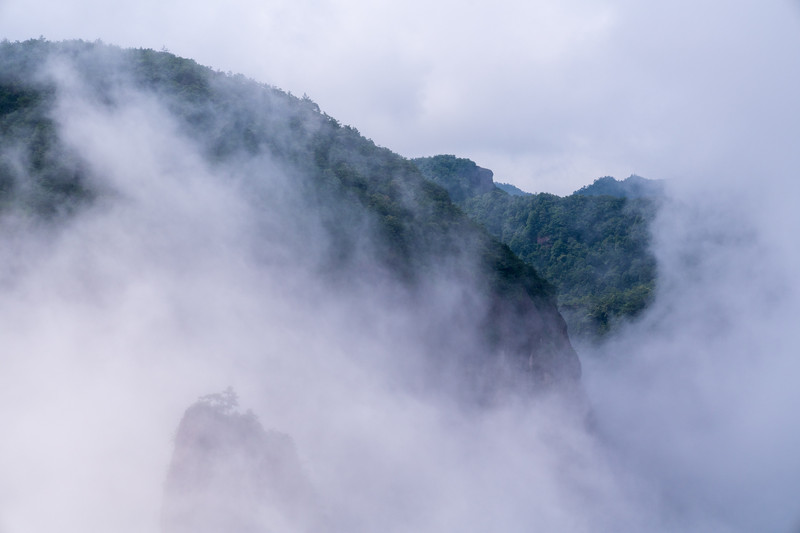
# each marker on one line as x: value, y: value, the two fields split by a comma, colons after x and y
x: 699, y: 396
x: 184, y: 278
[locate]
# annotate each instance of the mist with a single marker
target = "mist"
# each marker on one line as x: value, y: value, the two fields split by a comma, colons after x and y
x: 186, y: 277
x: 182, y: 278
x: 699, y: 394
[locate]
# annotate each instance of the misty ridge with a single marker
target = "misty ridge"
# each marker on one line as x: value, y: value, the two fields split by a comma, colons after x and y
x: 593, y: 245
x: 170, y: 231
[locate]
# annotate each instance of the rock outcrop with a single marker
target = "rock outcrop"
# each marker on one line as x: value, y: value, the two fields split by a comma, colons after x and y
x: 229, y: 474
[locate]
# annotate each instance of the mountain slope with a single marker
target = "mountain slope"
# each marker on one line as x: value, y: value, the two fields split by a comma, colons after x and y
x: 592, y: 245
x: 461, y: 177
x: 511, y: 189
x: 368, y: 215
x: 594, y: 249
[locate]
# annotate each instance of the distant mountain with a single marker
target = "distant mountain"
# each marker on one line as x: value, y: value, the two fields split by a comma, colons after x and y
x: 593, y: 245
x: 460, y: 177
x: 356, y: 212
x: 511, y: 189
x: 594, y: 249
x: 632, y: 187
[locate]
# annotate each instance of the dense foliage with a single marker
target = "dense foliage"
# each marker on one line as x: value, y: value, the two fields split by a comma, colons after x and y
x: 511, y: 189
x: 592, y: 245
x: 594, y: 249
x: 30, y: 148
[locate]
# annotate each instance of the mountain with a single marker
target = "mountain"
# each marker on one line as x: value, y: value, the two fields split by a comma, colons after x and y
x: 360, y: 218
x: 592, y: 245
x: 460, y: 177
x: 511, y: 189
x: 594, y: 249
x: 631, y: 187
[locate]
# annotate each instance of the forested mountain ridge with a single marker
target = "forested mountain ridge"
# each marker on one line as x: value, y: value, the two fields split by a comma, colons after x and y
x: 461, y: 177
x: 631, y: 187
x: 592, y: 246
x: 243, y: 127
x: 511, y: 189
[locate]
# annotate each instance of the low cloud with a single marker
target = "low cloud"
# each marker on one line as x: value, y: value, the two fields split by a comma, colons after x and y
x: 698, y: 395
x: 182, y: 278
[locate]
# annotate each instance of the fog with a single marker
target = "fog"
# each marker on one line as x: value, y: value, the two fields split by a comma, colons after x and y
x: 699, y: 395
x: 185, y: 278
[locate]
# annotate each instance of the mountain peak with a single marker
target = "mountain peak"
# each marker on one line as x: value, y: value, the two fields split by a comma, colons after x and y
x: 461, y: 177
x: 631, y: 187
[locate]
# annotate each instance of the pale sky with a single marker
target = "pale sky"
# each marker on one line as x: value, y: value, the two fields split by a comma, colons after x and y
x: 549, y: 95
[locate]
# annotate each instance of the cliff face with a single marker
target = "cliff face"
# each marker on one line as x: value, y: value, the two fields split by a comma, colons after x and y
x: 521, y: 328
x: 230, y: 474
x: 524, y: 328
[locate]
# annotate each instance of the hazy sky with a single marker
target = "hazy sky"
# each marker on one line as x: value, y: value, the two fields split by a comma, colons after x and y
x: 550, y: 95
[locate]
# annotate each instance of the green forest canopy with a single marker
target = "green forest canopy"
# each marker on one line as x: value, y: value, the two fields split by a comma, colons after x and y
x: 592, y: 245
